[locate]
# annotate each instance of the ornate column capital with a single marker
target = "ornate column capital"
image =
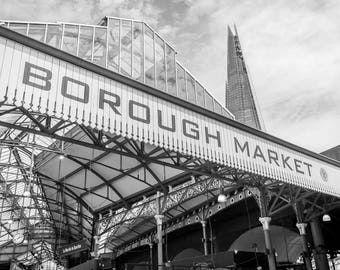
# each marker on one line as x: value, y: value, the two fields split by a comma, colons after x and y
x: 159, y: 219
x: 204, y: 223
x: 302, y: 228
x: 265, y: 221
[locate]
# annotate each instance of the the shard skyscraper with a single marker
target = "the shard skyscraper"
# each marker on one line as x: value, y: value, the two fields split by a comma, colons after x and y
x: 239, y: 96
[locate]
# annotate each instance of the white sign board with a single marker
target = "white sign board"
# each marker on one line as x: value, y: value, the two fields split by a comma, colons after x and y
x: 45, y: 84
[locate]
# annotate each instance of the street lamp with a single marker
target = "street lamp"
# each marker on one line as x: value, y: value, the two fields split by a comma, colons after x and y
x: 222, y: 198
x: 326, y: 218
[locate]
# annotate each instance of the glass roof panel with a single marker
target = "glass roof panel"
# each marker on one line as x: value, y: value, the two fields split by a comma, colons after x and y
x: 19, y: 27
x: 113, y: 44
x: 149, y: 61
x: 85, y: 42
x: 37, y: 31
x: 53, y: 35
x: 129, y: 47
x: 99, y: 46
x: 138, y: 52
x: 70, y: 38
x: 160, y: 63
x: 126, y: 48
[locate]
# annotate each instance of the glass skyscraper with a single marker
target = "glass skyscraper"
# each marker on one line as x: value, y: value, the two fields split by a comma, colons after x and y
x: 239, y: 97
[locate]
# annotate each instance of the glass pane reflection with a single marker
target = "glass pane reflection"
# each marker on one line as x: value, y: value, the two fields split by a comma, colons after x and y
x: 191, y: 88
x: 53, y: 36
x: 217, y: 107
x: 70, y: 39
x: 19, y: 27
x: 137, y: 52
x: 85, y: 43
x: 208, y: 101
x: 113, y: 43
x: 149, y: 57
x: 37, y: 31
x: 170, y: 70
x: 181, y: 82
x: 160, y: 63
x: 99, y: 46
x: 199, y: 94
x: 126, y: 54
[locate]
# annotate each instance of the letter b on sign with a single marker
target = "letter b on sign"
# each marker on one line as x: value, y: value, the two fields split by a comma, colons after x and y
x: 37, y: 77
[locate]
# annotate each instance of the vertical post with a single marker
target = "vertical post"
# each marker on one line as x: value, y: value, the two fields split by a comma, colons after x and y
x: 204, y: 239
x: 265, y: 221
x: 301, y: 225
x: 306, y: 257
x: 262, y: 200
x: 159, y: 241
x: 95, y: 251
x: 319, y: 243
x: 151, y: 256
x: 95, y: 247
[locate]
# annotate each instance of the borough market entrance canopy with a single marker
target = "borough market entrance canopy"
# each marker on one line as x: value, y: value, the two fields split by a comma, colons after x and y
x: 102, y: 129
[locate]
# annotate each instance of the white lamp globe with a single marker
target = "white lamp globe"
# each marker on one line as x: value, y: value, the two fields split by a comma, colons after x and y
x: 221, y: 198
x: 326, y: 218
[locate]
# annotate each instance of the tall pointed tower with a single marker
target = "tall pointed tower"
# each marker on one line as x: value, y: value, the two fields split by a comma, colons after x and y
x: 239, y: 97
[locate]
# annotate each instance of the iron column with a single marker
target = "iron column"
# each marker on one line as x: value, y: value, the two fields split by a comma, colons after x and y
x: 306, y: 257
x: 151, y: 256
x: 301, y: 225
x: 205, y: 241
x: 267, y: 238
x: 159, y: 241
x: 261, y: 196
x: 319, y: 244
x: 96, y: 245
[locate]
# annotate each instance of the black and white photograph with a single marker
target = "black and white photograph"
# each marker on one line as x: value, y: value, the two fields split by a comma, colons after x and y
x: 169, y: 135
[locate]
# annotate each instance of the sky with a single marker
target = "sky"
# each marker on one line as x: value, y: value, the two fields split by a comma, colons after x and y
x: 291, y: 48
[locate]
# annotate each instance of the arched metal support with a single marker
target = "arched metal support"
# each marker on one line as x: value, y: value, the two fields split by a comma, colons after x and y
x: 195, y: 216
x: 149, y: 207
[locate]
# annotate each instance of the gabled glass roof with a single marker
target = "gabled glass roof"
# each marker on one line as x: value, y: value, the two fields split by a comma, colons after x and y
x: 129, y: 47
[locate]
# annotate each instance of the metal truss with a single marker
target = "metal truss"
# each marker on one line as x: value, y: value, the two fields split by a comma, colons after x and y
x: 280, y: 196
x: 196, y: 215
x: 133, y: 213
x: 53, y: 136
x: 314, y: 203
x: 28, y: 215
x: 147, y: 208
x: 18, y: 212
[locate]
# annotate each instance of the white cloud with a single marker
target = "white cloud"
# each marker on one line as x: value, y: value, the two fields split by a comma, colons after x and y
x: 83, y: 11
x: 48, y: 10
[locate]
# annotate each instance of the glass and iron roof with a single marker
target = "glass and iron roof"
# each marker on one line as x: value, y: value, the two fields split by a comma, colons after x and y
x: 129, y: 47
x: 52, y: 191
x: 25, y: 216
x: 34, y: 210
